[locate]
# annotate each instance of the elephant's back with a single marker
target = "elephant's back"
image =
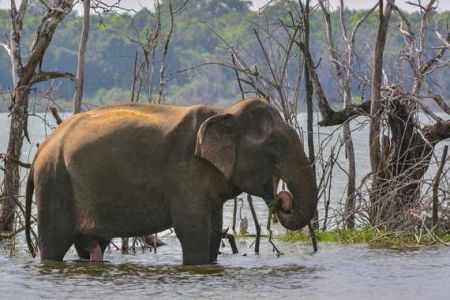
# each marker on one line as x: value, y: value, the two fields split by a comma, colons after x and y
x: 136, y: 115
x: 112, y: 118
x: 123, y: 131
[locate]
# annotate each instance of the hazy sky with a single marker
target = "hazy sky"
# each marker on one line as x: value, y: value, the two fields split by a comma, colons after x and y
x: 353, y: 4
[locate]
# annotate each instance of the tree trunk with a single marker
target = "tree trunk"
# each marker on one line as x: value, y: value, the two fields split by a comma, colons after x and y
x: 375, y: 106
x: 79, y: 82
x: 24, y: 76
x: 405, y: 159
x: 351, y: 181
x: 400, y: 159
x: 343, y: 68
x: 309, y: 108
x: 18, y: 125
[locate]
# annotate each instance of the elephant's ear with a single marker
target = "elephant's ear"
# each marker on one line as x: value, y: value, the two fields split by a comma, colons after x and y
x: 215, y: 144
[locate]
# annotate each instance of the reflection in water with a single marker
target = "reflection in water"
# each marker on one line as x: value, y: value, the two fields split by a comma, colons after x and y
x: 335, y: 272
x: 107, y: 269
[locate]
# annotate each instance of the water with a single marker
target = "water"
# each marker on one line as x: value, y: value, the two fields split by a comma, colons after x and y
x: 335, y: 272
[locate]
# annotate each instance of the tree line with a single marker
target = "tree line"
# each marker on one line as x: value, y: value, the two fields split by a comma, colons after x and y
x: 201, y: 35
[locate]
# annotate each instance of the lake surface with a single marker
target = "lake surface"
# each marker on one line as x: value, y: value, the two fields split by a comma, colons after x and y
x: 335, y: 272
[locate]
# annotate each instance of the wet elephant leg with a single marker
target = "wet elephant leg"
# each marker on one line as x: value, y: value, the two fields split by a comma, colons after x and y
x: 54, y: 245
x: 56, y: 235
x: 194, y: 233
x: 56, y: 226
x: 216, y: 234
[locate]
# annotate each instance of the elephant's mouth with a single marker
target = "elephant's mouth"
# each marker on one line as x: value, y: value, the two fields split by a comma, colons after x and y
x: 282, y: 200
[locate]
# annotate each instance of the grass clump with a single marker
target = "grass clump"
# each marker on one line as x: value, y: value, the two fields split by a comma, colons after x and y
x: 376, y: 237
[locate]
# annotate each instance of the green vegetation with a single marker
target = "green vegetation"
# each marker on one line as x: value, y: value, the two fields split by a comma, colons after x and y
x: 374, y: 237
x: 275, y: 205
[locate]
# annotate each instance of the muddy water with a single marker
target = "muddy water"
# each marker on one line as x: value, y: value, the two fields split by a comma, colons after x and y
x: 335, y: 272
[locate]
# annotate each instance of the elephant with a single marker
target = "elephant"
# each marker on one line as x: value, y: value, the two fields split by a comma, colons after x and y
x: 138, y: 168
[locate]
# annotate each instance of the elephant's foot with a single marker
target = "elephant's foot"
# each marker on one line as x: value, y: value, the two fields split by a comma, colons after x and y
x: 96, y: 253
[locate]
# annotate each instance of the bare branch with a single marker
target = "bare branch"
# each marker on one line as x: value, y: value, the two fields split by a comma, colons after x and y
x: 162, y: 72
x: 99, y: 6
x: 420, y: 103
x: 329, y: 116
x: 437, y: 132
x: 42, y: 39
x: 56, y: 115
x: 15, y: 161
x: 442, y: 104
x: 324, y: 107
x: 44, y: 76
x: 384, y: 16
x: 236, y: 73
x: 7, y: 49
x: 21, y: 13
x: 181, y: 7
x: 79, y: 81
x: 45, y: 4
x: 360, y: 22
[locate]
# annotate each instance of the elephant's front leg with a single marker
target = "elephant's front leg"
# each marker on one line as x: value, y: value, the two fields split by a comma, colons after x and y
x: 194, y: 233
x: 216, y: 233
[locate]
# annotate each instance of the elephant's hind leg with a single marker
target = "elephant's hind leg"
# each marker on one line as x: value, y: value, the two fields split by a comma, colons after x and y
x: 53, y: 243
x: 56, y: 233
x: 56, y: 224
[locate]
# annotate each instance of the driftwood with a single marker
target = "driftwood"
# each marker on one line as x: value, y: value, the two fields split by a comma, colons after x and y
x: 231, y: 240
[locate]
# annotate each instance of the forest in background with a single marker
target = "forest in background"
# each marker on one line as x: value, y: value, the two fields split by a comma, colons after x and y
x: 202, y: 35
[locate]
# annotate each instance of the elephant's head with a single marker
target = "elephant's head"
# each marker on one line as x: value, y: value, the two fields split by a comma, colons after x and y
x: 253, y: 147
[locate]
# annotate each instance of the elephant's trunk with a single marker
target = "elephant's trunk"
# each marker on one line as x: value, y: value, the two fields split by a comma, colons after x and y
x: 298, y: 175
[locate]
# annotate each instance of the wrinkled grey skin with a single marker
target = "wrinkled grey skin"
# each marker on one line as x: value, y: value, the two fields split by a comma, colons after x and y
x: 137, y: 169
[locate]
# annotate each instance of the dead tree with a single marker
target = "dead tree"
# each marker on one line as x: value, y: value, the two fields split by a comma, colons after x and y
x: 400, y: 149
x: 344, y: 71
x: 25, y: 72
x: 79, y: 82
x: 154, y: 46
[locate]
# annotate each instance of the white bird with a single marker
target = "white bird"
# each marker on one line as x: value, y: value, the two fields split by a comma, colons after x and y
x: 243, y: 223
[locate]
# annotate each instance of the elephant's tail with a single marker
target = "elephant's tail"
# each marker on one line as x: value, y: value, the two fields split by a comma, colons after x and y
x: 28, y: 204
